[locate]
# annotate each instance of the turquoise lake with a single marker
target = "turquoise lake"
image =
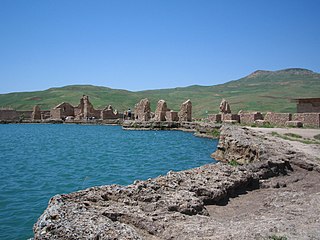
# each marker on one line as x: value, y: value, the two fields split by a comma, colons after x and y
x: 38, y: 161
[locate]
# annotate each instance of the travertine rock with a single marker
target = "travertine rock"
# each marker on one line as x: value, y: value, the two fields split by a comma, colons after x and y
x: 185, y: 113
x: 190, y: 204
x: 142, y: 110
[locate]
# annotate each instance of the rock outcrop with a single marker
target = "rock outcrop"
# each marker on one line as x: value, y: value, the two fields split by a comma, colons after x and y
x: 188, y: 204
x: 185, y: 113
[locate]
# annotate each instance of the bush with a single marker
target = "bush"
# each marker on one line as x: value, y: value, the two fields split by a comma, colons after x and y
x: 216, y: 133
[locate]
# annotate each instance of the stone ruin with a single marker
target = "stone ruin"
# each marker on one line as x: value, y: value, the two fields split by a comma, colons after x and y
x: 142, y: 110
x: 36, y: 113
x: 224, y: 107
x: 84, y: 111
x: 163, y: 113
x: 311, y: 119
x: 185, y: 113
x: 109, y: 113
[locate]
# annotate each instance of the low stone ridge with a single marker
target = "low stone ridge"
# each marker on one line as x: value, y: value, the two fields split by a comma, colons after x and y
x: 187, y: 204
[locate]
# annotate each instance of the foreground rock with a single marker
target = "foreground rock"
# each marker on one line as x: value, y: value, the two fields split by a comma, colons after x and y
x: 275, y: 194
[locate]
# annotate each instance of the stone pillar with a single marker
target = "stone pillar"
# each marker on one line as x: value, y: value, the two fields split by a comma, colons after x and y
x: 36, y: 113
x: 185, y: 113
x: 142, y: 110
x: 160, y: 114
x: 224, y: 107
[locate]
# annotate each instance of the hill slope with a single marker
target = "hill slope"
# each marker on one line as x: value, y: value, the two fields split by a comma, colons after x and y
x: 259, y: 91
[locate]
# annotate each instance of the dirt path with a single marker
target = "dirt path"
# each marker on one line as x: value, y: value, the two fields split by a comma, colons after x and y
x: 308, y: 134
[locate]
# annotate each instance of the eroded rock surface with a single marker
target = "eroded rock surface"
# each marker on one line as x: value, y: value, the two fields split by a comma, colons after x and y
x: 201, y: 203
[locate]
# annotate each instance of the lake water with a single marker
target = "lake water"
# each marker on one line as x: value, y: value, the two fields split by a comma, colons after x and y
x: 39, y: 161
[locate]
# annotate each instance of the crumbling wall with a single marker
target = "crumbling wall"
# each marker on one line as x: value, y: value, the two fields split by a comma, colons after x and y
x: 172, y: 116
x: 142, y: 110
x: 161, y: 111
x: 216, y: 118
x: 230, y: 117
x: 250, y: 118
x: 278, y: 119
x: 185, y: 113
x: 9, y: 115
x: 36, y: 113
x: 308, y: 119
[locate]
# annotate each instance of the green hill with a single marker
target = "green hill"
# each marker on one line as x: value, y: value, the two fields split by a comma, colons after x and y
x: 260, y: 91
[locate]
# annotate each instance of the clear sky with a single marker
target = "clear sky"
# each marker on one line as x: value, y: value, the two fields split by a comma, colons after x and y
x: 150, y: 44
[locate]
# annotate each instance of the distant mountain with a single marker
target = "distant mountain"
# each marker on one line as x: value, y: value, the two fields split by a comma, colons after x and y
x: 260, y: 91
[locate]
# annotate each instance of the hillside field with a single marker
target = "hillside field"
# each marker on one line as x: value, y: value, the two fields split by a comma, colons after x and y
x: 260, y: 91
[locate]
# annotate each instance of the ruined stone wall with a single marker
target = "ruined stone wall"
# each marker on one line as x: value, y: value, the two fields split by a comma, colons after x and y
x: 306, y: 107
x: 55, y: 113
x: 278, y: 119
x: 142, y: 110
x: 308, y: 119
x: 172, y: 116
x: 161, y: 111
x: 216, y: 118
x: 185, y: 113
x: 230, y: 117
x: 108, y: 114
x: 250, y: 118
x: 24, y: 114
x: 9, y: 115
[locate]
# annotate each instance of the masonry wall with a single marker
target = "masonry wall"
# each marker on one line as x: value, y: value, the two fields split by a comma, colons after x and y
x: 172, y: 116
x: 230, y: 117
x: 9, y: 115
x: 108, y: 114
x: 216, y: 118
x: 308, y: 107
x: 55, y: 113
x: 308, y: 119
x: 250, y: 118
x: 278, y: 119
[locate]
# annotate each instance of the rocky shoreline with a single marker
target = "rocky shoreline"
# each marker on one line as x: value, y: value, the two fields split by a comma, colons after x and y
x: 262, y: 188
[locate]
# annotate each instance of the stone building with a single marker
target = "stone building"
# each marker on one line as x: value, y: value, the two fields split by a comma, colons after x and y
x: 62, y: 111
x: 109, y: 113
x: 307, y: 105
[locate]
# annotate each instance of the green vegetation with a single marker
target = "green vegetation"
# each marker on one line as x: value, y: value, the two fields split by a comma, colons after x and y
x: 275, y: 237
x: 295, y: 137
x: 233, y: 163
x: 261, y: 91
x: 317, y: 137
x: 216, y: 133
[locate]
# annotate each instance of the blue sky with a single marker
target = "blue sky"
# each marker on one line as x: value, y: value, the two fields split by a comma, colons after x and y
x: 150, y: 44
